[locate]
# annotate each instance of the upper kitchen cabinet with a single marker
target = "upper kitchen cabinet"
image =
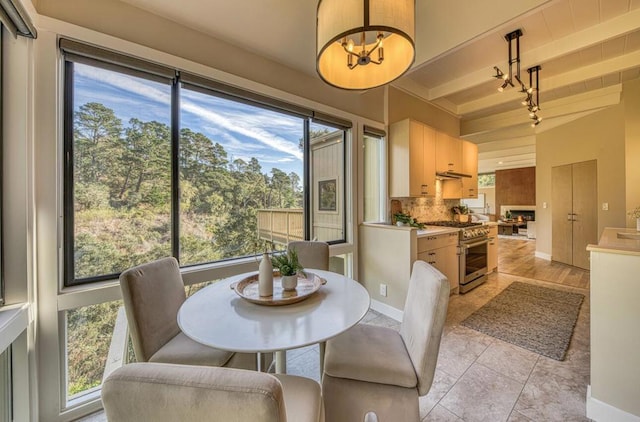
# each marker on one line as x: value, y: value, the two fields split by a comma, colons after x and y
x: 470, y: 166
x: 412, y: 168
x: 465, y: 187
x: 448, y: 153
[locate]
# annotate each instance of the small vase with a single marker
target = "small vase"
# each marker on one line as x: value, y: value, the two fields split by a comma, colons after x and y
x: 289, y: 282
x: 265, y: 276
x: 638, y: 224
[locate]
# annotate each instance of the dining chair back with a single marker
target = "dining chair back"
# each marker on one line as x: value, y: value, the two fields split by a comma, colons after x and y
x: 311, y: 254
x: 425, y: 311
x: 167, y: 393
x: 152, y: 294
x: 379, y: 369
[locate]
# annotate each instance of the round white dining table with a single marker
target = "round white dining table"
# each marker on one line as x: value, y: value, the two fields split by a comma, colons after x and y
x: 218, y: 317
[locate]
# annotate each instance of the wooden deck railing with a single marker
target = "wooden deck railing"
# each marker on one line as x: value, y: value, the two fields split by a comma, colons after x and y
x: 280, y: 226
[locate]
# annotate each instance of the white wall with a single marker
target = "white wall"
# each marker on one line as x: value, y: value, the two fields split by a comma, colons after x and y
x: 599, y: 136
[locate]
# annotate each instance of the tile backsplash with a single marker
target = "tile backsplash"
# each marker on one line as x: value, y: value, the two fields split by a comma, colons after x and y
x: 428, y: 208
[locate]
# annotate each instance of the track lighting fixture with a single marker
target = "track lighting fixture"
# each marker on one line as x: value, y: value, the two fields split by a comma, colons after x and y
x: 532, y: 104
x: 514, y: 59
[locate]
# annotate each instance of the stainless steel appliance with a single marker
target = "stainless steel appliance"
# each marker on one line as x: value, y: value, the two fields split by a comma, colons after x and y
x: 473, y: 241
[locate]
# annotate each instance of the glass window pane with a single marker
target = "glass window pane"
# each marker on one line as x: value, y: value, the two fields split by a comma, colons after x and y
x: 241, y: 175
x: 121, y: 171
x: 373, y: 178
x: 486, y: 180
x: 96, y: 335
x: 5, y: 386
x: 327, y: 182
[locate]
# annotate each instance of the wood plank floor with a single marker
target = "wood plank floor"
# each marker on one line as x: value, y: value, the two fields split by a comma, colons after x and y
x: 517, y: 257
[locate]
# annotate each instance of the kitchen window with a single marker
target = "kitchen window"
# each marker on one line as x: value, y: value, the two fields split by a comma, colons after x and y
x: 374, y: 148
x: 159, y: 163
x: 486, y: 180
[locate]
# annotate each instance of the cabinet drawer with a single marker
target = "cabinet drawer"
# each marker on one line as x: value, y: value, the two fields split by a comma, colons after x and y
x: 428, y: 256
x: 430, y: 242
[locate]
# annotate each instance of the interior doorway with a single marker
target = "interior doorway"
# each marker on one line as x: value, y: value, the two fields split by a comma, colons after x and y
x: 574, y: 211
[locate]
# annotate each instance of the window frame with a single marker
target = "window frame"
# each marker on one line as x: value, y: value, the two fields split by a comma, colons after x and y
x: 109, y: 60
x: 2, y: 282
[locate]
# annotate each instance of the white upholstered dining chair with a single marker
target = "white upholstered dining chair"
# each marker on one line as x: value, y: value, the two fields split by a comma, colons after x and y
x: 168, y: 393
x: 152, y: 295
x: 372, y: 368
x: 311, y: 254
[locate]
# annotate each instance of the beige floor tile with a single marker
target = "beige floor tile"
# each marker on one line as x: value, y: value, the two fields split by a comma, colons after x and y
x: 482, y: 394
x: 440, y: 414
x: 518, y: 417
x: 509, y: 360
x: 459, y: 348
x: 442, y: 383
x: 553, y: 393
x: 305, y: 365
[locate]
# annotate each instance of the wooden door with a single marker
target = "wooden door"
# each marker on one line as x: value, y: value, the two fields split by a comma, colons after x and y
x: 561, y: 210
x: 585, y: 210
x: 574, y: 212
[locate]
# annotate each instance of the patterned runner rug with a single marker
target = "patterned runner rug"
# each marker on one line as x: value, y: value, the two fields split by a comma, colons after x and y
x: 533, y: 317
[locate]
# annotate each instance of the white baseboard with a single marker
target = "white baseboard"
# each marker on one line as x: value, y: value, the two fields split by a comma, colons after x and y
x: 387, y: 310
x: 600, y: 411
x: 543, y: 255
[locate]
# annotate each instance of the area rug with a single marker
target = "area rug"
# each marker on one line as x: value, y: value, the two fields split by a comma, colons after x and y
x: 532, y: 317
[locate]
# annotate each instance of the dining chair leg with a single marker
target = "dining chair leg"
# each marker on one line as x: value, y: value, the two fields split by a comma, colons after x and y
x: 322, y: 345
x: 281, y: 362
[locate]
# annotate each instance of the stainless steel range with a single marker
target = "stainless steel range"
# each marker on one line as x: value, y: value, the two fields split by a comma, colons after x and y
x: 473, y: 241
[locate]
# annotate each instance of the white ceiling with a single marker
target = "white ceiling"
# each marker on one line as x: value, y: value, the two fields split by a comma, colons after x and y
x: 586, y: 48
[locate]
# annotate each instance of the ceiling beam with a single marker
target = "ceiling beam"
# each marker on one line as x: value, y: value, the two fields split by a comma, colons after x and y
x: 585, y: 73
x: 588, y: 37
x: 561, y: 107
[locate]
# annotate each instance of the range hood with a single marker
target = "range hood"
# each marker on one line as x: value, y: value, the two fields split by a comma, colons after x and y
x: 448, y: 175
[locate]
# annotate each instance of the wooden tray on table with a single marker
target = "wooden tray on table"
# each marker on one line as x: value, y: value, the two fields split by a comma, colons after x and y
x: 308, y: 284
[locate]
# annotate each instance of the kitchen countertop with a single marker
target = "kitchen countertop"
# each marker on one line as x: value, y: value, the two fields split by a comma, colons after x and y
x: 428, y: 230
x: 618, y: 240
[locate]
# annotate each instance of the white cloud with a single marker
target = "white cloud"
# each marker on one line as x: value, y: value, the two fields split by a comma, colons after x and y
x: 261, y: 127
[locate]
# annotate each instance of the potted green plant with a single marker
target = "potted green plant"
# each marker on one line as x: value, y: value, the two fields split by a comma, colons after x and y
x: 289, y: 266
x: 460, y: 213
x: 402, y: 219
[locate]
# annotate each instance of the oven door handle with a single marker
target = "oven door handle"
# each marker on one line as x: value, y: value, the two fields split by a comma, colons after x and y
x: 473, y: 245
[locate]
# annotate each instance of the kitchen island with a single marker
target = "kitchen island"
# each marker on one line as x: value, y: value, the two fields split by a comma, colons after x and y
x: 387, y: 254
x: 614, y: 392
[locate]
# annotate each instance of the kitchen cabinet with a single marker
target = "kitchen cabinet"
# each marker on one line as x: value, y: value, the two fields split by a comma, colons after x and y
x: 448, y: 153
x: 441, y: 251
x: 386, y: 256
x: 466, y: 187
x: 412, y: 169
x: 492, y: 249
x: 470, y: 166
x: 615, y: 361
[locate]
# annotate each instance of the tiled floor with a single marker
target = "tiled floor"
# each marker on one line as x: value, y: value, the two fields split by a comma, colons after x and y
x: 480, y: 378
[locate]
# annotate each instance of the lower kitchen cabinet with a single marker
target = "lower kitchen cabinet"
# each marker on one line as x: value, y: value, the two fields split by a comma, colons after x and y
x: 386, y: 255
x: 441, y: 251
x: 492, y: 249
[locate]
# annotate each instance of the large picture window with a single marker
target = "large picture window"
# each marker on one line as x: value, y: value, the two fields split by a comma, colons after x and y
x: 158, y: 166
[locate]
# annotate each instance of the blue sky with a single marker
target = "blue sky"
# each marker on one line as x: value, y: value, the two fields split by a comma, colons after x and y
x: 244, y: 131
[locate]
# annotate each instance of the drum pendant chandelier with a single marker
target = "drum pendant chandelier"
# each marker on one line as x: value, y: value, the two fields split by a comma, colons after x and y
x: 362, y: 44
